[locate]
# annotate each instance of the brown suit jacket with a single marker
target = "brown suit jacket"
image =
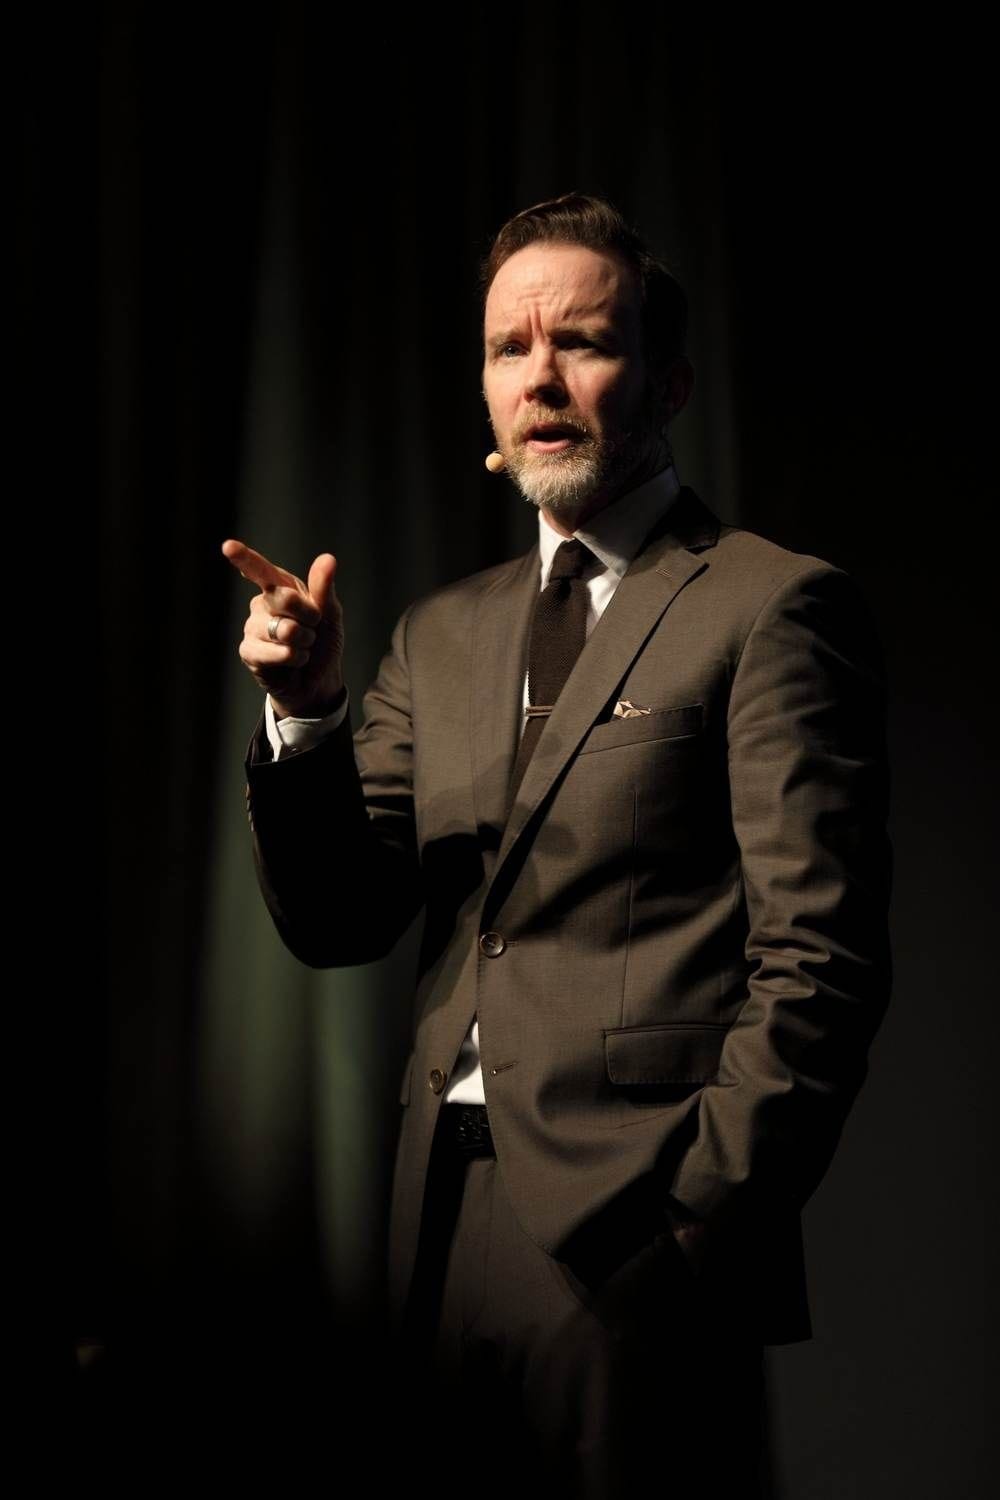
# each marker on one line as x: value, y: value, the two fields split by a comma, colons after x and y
x: 677, y: 942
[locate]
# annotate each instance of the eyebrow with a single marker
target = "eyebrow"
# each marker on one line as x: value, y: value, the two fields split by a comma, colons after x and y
x: 567, y: 330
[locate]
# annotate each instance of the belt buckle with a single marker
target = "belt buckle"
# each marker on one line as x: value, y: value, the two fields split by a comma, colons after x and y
x: 472, y: 1129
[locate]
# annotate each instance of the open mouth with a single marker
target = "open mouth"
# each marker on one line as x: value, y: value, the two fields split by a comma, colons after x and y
x: 550, y: 437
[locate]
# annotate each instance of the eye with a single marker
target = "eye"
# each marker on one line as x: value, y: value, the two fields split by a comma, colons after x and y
x: 504, y: 348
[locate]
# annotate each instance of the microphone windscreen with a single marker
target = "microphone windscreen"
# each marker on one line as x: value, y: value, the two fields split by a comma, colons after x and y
x: 495, y: 462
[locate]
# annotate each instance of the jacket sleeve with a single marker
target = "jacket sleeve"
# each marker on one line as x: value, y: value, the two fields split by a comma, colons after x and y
x: 334, y: 834
x: 809, y: 785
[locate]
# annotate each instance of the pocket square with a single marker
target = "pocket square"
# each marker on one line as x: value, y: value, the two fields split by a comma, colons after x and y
x: 625, y: 709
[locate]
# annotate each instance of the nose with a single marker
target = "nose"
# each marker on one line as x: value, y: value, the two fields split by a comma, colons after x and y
x: 543, y: 379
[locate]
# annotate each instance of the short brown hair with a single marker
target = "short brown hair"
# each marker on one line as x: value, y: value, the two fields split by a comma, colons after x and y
x: 582, y: 219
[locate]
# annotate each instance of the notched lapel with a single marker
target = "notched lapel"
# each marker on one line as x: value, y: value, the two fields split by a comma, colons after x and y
x: 666, y: 562
x: 500, y: 639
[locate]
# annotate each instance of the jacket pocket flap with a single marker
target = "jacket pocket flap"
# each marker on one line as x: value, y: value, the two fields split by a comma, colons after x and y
x: 680, y: 1053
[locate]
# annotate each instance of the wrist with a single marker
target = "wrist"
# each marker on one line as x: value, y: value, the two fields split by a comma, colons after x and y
x: 313, y: 708
x: 692, y: 1240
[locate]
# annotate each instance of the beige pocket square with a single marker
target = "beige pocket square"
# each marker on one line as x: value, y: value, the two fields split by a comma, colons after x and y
x: 625, y: 709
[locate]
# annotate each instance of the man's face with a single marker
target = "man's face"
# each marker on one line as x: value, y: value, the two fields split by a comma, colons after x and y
x: 564, y: 377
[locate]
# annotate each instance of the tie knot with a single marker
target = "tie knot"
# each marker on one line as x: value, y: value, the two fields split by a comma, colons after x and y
x: 570, y: 560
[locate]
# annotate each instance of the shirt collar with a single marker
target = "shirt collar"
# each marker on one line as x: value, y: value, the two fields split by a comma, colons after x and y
x: 617, y: 532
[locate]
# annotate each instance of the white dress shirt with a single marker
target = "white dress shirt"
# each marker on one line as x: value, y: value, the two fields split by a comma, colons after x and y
x: 614, y: 536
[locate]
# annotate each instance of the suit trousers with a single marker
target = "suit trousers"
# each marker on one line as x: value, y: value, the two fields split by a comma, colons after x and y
x: 523, y: 1375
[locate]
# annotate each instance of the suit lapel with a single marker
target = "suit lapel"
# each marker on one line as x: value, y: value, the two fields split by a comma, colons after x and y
x: 499, y: 662
x: 666, y: 562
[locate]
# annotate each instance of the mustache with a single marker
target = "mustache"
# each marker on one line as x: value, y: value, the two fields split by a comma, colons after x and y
x: 551, y: 419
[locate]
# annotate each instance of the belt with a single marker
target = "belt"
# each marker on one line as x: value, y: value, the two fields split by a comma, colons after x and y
x: 467, y: 1129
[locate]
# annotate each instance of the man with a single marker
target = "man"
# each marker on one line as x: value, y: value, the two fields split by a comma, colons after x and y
x: 637, y: 780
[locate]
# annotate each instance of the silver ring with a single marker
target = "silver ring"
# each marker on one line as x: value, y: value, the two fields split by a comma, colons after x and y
x: 272, y: 627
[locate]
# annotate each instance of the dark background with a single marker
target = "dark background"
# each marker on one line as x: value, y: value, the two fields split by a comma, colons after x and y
x: 250, y: 244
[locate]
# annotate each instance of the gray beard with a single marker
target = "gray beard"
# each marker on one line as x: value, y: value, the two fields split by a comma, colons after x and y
x: 565, y: 482
x: 561, y: 482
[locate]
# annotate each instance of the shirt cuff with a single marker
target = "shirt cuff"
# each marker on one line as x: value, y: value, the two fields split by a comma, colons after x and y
x: 290, y: 735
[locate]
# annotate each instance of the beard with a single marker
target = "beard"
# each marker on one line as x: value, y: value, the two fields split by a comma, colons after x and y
x: 566, y: 481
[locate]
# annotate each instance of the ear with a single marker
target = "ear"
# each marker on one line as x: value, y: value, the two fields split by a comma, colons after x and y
x: 677, y: 385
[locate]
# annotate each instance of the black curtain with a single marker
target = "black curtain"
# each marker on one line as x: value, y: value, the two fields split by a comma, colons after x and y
x: 249, y: 243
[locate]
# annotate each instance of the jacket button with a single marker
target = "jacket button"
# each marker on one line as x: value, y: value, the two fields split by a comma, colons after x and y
x: 492, y: 944
x: 436, y: 1078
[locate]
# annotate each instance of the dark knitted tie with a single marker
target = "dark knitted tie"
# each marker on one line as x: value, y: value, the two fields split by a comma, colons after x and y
x: 558, y: 633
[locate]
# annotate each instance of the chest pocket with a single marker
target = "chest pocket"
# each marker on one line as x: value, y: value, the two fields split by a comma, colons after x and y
x: 683, y: 722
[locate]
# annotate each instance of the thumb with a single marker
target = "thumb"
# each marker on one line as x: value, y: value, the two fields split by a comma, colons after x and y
x: 320, y: 581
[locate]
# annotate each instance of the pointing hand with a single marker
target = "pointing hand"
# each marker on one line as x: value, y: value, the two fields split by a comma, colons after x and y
x: 293, y: 638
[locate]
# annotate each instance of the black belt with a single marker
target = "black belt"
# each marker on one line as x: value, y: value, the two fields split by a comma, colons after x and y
x: 467, y: 1129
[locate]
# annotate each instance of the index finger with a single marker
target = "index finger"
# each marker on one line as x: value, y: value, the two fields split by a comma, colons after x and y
x: 259, y: 569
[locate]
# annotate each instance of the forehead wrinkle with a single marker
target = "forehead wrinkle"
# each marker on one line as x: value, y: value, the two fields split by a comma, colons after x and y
x: 553, y: 284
